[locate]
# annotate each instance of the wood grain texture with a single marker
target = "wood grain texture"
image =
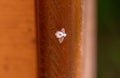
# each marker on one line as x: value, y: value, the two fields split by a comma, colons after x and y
x: 58, y: 60
x: 17, y: 39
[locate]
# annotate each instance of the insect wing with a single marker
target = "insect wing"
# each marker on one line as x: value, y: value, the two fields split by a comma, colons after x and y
x: 61, y: 40
x: 63, y: 30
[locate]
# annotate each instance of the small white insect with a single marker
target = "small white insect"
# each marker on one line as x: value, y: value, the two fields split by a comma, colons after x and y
x: 61, y: 35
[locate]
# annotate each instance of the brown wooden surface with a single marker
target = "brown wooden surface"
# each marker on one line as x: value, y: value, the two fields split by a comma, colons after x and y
x: 17, y: 39
x: 58, y: 60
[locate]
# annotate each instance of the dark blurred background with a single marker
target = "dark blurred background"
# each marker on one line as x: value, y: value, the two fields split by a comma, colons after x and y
x: 108, y: 38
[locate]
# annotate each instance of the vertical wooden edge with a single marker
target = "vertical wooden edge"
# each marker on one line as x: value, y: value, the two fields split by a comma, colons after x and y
x: 89, y: 36
x: 78, y: 21
x: 37, y: 36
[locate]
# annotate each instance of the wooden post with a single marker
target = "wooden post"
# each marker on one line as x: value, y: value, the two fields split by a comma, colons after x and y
x: 58, y: 60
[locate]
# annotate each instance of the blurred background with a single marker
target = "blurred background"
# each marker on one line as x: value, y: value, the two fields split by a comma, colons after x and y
x: 108, y: 38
